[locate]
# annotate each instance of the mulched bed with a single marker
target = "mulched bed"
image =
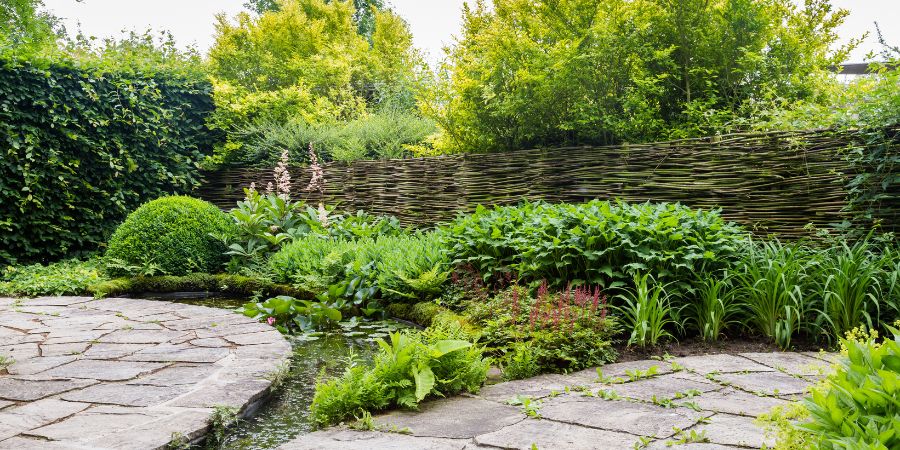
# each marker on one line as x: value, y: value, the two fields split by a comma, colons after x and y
x: 696, y: 346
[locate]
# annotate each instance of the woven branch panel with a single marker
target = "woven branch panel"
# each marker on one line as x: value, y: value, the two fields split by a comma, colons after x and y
x: 770, y: 182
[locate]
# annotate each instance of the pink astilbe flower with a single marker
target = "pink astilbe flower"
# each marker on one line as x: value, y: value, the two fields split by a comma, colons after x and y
x: 283, y: 176
x: 271, y: 321
x: 317, y: 184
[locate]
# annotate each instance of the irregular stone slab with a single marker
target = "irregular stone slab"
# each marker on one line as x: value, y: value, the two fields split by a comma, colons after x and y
x: 210, y: 342
x: 21, y: 352
x: 178, y: 374
x: 664, y: 387
x: 554, y: 435
x: 721, y: 363
x: 140, y: 336
x: 87, y: 425
x: 370, y: 440
x: 251, y: 338
x: 766, y: 383
x: 235, y: 395
x: 538, y: 387
x: 36, y: 365
x: 629, y: 417
x: 76, y: 336
x: 58, y: 301
x: 74, y: 348
x: 179, y: 353
x: 735, y: 430
x: 103, y: 370
x: 619, y: 372
x: 5, y: 403
x: 671, y: 445
x: 29, y: 443
x: 453, y: 418
x: 791, y: 363
x: 112, y: 351
x: 735, y: 402
x: 158, y: 433
x: 31, y: 390
x: 126, y: 394
x: 40, y: 413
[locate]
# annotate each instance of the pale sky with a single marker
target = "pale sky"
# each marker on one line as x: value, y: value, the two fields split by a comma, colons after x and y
x: 434, y: 23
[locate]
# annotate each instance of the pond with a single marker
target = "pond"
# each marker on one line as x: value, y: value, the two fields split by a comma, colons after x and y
x: 286, y: 413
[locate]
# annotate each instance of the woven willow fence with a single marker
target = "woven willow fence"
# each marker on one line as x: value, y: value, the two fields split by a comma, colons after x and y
x: 771, y: 182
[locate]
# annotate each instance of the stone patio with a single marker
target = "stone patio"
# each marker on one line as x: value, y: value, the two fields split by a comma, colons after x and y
x: 125, y: 373
x: 700, y: 402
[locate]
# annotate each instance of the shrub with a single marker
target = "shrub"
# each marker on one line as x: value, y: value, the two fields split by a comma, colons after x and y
x: 85, y: 144
x: 408, y: 369
x: 548, y: 332
x: 597, y: 243
x: 68, y: 277
x: 174, y: 234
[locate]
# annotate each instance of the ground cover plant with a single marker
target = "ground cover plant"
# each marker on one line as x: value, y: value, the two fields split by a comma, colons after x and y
x: 854, y: 407
x: 410, y: 367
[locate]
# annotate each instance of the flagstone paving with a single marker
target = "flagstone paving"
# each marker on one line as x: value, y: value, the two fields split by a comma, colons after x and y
x: 126, y: 373
x: 698, y: 402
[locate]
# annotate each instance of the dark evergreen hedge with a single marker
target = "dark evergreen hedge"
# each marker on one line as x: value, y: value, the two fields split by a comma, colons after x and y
x: 82, y: 146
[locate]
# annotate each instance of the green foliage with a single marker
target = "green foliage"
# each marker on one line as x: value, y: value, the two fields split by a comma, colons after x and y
x: 175, y: 233
x: 85, y: 144
x: 68, y: 277
x: 396, y: 268
x: 378, y: 135
x: 714, y: 308
x: 596, y: 243
x: 857, y: 406
x: 290, y: 315
x: 24, y: 24
x: 412, y: 267
x: 550, y: 332
x: 551, y: 73
x: 647, y: 311
x: 304, y: 62
x: 772, y: 277
x: 848, y: 286
x: 407, y: 369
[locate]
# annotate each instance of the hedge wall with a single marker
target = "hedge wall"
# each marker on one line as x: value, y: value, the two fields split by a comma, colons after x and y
x: 84, y: 146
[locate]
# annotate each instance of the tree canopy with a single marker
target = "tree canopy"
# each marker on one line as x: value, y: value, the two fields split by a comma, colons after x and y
x: 557, y: 72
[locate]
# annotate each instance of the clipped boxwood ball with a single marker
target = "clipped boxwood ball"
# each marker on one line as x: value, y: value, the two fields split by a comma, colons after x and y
x: 172, y: 233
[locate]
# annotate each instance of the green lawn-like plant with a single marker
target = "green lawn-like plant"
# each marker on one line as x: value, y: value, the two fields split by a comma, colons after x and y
x: 408, y: 368
x: 646, y: 311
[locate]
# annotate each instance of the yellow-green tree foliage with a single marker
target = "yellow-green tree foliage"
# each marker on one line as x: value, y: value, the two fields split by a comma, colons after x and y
x: 305, y: 61
x: 528, y: 73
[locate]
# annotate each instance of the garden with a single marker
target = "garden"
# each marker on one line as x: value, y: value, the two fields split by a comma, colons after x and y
x: 108, y: 147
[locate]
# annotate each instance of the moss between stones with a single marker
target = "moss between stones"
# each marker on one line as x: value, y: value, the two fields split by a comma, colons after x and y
x: 230, y: 285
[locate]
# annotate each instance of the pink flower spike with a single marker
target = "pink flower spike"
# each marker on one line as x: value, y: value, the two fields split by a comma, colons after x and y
x: 271, y: 321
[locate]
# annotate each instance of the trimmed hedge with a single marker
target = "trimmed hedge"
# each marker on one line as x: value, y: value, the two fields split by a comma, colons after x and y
x: 176, y: 234
x: 82, y: 146
x: 225, y: 284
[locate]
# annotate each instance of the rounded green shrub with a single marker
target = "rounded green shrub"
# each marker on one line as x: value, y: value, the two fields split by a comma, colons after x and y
x: 172, y: 235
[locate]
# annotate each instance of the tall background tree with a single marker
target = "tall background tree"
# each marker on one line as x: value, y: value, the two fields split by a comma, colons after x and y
x: 556, y: 72
x: 26, y: 24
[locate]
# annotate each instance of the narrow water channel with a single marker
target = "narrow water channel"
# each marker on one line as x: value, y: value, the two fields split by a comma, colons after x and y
x: 286, y: 414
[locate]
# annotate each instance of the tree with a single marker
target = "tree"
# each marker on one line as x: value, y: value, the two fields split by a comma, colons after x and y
x: 531, y: 73
x: 306, y: 62
x: 24, y: 24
